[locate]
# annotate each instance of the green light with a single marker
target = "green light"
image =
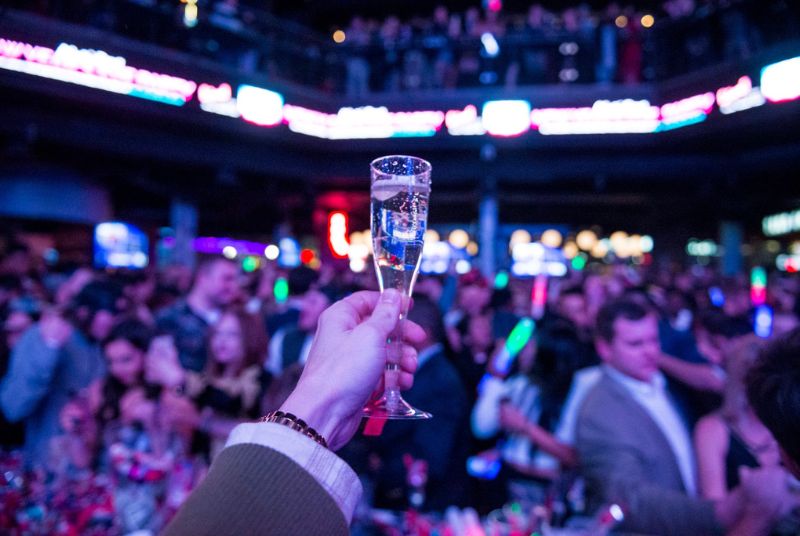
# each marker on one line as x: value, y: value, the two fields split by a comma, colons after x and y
x: 520, y: 336
x: 281, y: 290
x: 501, y: 280
x: 578, y: 263
x: 249, y: 264
x: 758, y: 277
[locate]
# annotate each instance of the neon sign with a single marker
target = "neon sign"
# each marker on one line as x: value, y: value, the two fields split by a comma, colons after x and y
x: 96, y: 69
x: 739, y: 97
x: 506, y: 118
x: 464, y: 122
x: 259, y: 106
x: 362, y: 123
x: 780, y: 82
x: 218, y: 100
x: 686, y: 111
x: 626, y: 116
x: 337, y: 234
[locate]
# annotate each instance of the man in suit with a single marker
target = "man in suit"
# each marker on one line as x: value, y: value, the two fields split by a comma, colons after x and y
x: 635, y: 449
x: 442, y: 441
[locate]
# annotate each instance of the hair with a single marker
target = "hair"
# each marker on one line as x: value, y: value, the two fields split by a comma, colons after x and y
x: 627, y: 308
x: 716, y: 322
x: 773, y: 389
x: 301, y: 279
x: 254, y: 341
x: 138, y: 335
x: 738, y: 363
x: 427, y: 314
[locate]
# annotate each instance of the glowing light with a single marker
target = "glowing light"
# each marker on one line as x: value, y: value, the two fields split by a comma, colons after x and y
x: 648, y: 21
x: 781, y: 224
x: 435, y: 257
x: 686, y: 111
x: 259, y: 106
x: 362, y: 123
x: 618, y: 240
x: 290, y: 252
x: 96, y: 69
x: 217, y: 99
x: 472, y: 248
x: 506, y: 118
x: 494, y: 5
x: 600, y: 249
x: 271, y: 252
x: 280, y: 290
x: 431, y: 236
x: 463, y: 266
x: 464, y: 122
x: 702, y: 248
x: 520, y: 236
x: 306, y: 256
x: 739, y: 97
x: 339, y: 36
x: 530, y: 259
x: 578, y: 263
x: 763, y: 321
x: 621, y: 21
x: 459, y: 239
x: 551, y: 238
x: 646, y: 243
x: 229, y: 252
x: 780, y: 82
x: 616, y: 512
x: 250, y: 264
x: 337, y: 234
x: 358, y: 265
x: 490, y: 45
x: 190, y: 13
x: 603, y: 117
x: 570, y: 250
x: 501, y: 280
x: 586, y: 239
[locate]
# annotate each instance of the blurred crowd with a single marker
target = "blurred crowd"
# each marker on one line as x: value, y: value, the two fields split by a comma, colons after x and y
x: 118, y: 389
x: 480, y: 47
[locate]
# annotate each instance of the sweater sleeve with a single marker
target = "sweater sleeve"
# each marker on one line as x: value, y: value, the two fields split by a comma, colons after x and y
x: 254, y: 489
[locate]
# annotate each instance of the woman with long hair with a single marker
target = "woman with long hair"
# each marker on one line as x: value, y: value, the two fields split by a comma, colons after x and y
x: 230, y: 388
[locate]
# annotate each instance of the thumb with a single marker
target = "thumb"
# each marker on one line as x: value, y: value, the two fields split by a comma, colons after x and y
x: 386, y: 314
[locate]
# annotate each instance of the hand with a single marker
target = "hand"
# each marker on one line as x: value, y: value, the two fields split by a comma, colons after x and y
x: 55, y: 331
x: 346, y: 363
x: 162, y: 366
x: 511, y: 419
x: 767, y: 493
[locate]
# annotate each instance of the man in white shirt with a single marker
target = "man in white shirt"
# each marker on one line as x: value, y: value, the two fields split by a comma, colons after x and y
x: 635, y: 449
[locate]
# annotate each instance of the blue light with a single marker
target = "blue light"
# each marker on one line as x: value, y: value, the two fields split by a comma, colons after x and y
x: 762, y: 321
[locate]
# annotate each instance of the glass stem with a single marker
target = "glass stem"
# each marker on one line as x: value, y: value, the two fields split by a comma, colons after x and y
x: 394, y: 353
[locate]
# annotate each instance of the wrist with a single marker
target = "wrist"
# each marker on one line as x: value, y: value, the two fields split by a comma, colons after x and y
x: 318, y: 411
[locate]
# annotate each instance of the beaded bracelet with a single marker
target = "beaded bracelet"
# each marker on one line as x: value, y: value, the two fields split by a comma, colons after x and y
x: 295, y: 423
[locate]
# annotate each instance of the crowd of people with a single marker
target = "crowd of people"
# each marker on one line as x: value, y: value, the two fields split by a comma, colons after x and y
x: 443, y: 49
x: 118, y: 390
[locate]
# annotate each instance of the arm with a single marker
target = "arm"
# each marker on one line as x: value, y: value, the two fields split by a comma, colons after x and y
x: 486, y: 413
x: 710, y: 445
x: 31, y: 371
x: 698, y: 376
x: 546, y: 441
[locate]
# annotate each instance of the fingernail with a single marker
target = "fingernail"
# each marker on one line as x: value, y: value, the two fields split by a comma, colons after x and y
x: 390, y: 295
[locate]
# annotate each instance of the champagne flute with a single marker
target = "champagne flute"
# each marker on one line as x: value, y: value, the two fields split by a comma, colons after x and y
x: 399, y: 205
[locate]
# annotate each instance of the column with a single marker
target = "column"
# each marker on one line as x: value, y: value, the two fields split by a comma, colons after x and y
x: 487, y: 222
x: 731, y: 238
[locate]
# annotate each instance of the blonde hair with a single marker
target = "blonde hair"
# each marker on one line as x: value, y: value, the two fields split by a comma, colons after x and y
x: 738, y: 362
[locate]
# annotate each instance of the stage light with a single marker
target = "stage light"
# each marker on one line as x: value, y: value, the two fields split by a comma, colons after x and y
x: 358, y: 265
x: 551, y: 238
x: 463, y: 266
x: 579, y: 262
x: 490, y: 45
x: 520, y: 236
x: 306, y: 256
x: 229, y: 252
x: 250, y: 264
x: 280, y: 290
x: 190, y: 13
x: 586, y: 239
x: 459, y: 239
x: 570, y: 250
x: 648, y: 21
x: 431, y: 236
x: 339, y: 36
x: 472, y: 248
x: 600, y: 249
x: 621, y: 21
x: 646, y: 243
x: 271, y: 252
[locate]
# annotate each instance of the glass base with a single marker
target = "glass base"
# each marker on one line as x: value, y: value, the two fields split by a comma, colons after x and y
x: 393, y: 407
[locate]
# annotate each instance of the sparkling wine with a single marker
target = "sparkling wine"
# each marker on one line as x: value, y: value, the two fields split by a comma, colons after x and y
x: 399, y: 218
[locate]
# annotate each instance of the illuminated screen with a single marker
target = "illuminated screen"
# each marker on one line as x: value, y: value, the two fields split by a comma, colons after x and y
x: 120, y: 245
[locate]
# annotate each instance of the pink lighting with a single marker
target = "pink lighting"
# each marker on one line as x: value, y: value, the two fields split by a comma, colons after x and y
x: 603, y: 117
x: 464, y: 122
